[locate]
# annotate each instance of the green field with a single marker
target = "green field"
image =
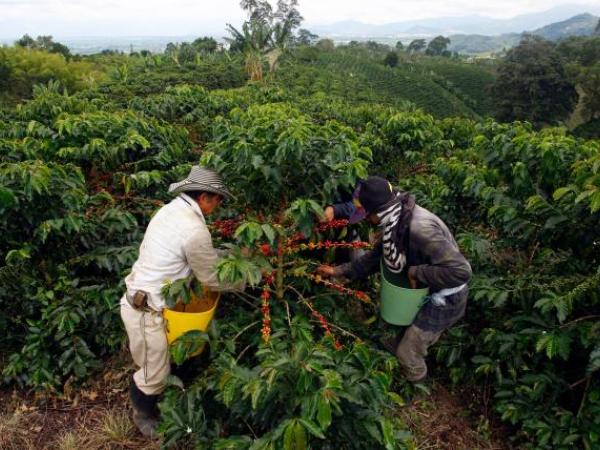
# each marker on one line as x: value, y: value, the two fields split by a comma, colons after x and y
x: 443, y: 88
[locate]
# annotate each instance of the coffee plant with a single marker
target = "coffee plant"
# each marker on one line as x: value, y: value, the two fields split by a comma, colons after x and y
x: 291, y: 362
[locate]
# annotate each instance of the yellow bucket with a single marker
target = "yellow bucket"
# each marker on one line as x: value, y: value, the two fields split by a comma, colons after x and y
x: 196, y: 315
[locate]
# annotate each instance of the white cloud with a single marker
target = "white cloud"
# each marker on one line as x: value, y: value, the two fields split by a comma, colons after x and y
x: 180, y: 17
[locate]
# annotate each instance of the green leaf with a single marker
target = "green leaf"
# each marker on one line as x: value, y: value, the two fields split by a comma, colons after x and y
x: 173, y: 380
x: 554, y: 344
x: 187, y: 345
x: 269, y: 232
x: 594, y: 362
x: 248, y: 233
x: 324, y: 412
x: 300, y: 441
x: 396, y: 398
x: 312, y: 428
x: 7, y: 198
x: 561, y: 192
x: 289, y: 436
x: 388, y: 433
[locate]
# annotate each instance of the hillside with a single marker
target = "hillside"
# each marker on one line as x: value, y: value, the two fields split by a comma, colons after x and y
x: 475, y: 44
x: 442, y: 87
x: 581, y: 25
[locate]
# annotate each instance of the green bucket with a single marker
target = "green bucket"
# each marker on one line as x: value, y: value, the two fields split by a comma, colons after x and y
x: 399, y: 303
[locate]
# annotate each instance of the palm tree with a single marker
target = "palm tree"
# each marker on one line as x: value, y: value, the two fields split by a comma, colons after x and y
x: 254, y: 40
x: 281, y: 38
x: 266, y: 34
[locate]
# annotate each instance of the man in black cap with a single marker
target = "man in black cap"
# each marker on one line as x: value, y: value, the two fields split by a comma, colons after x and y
x: 418, y: 242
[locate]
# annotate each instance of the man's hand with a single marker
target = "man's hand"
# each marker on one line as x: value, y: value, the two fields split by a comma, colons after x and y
x: 326, y: 271
x: 412, y: 280
x: 328, y: 214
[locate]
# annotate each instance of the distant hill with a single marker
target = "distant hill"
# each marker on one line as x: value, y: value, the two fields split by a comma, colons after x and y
x: 580, y: 25
x: 453, y: 25
x: 474, y: 44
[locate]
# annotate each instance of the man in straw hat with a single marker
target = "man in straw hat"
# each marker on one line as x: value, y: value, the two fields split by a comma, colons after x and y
x: 416, y: 242
x: 176, y: 244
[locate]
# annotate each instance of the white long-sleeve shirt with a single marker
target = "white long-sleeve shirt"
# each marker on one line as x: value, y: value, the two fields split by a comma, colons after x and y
x: 177, y: 242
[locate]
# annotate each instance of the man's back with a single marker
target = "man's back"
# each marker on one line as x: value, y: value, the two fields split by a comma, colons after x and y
x: 162, y: 253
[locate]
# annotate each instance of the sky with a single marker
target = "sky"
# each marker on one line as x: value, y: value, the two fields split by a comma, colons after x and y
x: 184, y: 17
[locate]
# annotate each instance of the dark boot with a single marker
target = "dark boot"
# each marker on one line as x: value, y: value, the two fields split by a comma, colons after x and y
x: 145, y: 413
x: 389, y: 343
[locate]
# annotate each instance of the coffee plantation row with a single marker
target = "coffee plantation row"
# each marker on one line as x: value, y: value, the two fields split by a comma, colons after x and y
x: 81, y: 174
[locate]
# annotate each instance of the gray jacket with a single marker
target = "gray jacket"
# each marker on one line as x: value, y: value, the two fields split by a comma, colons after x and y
x: 434, y: 259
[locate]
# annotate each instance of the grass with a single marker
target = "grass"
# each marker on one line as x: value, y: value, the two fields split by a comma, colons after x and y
x: 442, y: 421
x: 15, y: 433
x: 91, y: 417
x: 95, y: 428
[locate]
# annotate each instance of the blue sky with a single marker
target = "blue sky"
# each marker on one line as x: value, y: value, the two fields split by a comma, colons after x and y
x: 183, y: 17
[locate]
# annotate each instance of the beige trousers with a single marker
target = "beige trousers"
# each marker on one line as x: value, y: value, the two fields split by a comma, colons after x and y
x: 149, y: 348
x: 412, y: 350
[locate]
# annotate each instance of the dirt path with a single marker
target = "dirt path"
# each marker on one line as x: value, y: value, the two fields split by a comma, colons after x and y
x: 97, y: 417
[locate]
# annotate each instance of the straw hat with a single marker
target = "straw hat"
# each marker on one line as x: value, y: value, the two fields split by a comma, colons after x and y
x: 201, y: 179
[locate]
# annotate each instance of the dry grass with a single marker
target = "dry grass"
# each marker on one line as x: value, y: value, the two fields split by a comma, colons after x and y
x: 102, y: 429
x: 91, y: 417
x: 71, y: 440
x: 440, y: 421
x: 14, y: 432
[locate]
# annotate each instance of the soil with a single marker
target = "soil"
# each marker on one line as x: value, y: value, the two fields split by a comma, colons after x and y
x: 91, y: 417
x: 97, y: 416
x: 448, y: 421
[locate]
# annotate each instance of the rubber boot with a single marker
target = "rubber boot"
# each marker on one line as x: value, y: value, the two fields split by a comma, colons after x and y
x: 145, y: 413
x: 390, y: 343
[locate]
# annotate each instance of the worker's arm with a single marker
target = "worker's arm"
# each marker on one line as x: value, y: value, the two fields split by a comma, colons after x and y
x: 362, y: 267
x: 202, y: 258
x: 447, y: 267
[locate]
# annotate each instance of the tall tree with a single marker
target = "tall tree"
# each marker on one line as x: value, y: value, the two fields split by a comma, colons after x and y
x: 26, y: 41
x: 532, y: 84
x: 438, y: 46
x: 584, y: 50
x: 287, y: 13
x: 266, y: 34
x: 45, y: 43
x: 258, y: 10
x: 254, y: 40
x: 597, y: 31
x: 391, y: 59
x: 399, y: 45
x: 305, y: 37
x: 326, y: 44
x: 416, y: 46
x: 589, y: 81
x: 205, y: 44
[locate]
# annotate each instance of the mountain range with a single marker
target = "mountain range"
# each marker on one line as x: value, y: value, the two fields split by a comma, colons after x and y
x: 579, y: 25
x: 446, y: 26
x: 468, y: 34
